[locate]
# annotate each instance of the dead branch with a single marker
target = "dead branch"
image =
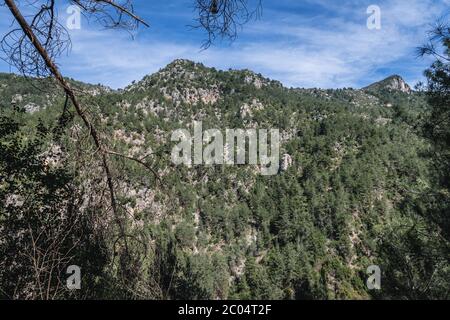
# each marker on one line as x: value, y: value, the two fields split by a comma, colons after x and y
x: 101, y: 9
x: 71, y: 94
x: 222, y: 18
x: 140, y: 161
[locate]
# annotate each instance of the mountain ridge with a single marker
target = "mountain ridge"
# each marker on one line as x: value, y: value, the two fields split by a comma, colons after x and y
x: 393, y: 82
x: 350, y: 162
x: 401, y: 84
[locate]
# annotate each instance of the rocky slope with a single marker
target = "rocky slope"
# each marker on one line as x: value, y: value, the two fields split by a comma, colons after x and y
x: 392, y: 83
x: 349, y: 165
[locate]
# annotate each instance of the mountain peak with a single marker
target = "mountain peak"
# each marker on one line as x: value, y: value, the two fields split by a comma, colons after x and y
x: 181, y: 63
x: 391, y: 83
x: 187, y: 74
x: 179, y: 71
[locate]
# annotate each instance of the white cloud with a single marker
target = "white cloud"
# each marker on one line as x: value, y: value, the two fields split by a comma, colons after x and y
x: 115, y: 59
x: 336, y: 51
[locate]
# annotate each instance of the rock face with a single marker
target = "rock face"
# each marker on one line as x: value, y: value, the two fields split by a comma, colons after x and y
x: 392, y: 83
x: 32, y: 107
x: 17, y: 98
x: 397, y: 83
x: 247, y: 109
x: 286, y: 162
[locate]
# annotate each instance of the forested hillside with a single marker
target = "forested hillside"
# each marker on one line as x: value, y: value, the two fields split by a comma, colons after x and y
x: 352, y: 191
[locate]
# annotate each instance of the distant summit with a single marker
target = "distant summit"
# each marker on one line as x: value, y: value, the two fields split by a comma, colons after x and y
x: 183, y: 74
x: 392, y: 83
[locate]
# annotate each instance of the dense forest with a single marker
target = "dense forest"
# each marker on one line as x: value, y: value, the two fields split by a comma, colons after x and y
x: 360, y: 185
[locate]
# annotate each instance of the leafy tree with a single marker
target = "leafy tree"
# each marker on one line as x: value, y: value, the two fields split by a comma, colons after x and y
x: 42, y: 230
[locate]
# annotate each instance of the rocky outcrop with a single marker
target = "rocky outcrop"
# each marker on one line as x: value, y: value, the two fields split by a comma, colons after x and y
x: 392, y: 83
x: 286, y: 162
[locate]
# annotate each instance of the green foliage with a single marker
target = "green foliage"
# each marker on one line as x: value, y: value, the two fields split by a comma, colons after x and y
x: 42, y: 231
x: 357, y: 193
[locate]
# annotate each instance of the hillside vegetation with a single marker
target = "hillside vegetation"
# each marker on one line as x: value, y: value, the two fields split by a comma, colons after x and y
x: 352, y: 192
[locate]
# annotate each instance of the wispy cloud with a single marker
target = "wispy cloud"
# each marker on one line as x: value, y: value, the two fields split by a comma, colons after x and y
x: 303, y: 44
x: 115, y: 59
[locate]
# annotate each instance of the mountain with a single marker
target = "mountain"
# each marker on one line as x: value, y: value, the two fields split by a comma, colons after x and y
x: 392, y: 83
x: 35, y: 94
x: 347, y: 194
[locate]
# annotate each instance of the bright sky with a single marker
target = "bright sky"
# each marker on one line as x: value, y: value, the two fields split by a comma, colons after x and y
x: 302, y: 43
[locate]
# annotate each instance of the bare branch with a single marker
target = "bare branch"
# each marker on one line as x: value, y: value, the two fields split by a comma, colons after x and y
x: 71, y: 94
x: 111, y: 14
x: 222, y: 18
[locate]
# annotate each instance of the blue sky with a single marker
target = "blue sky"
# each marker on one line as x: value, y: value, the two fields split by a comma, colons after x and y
x: 302, y: 43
